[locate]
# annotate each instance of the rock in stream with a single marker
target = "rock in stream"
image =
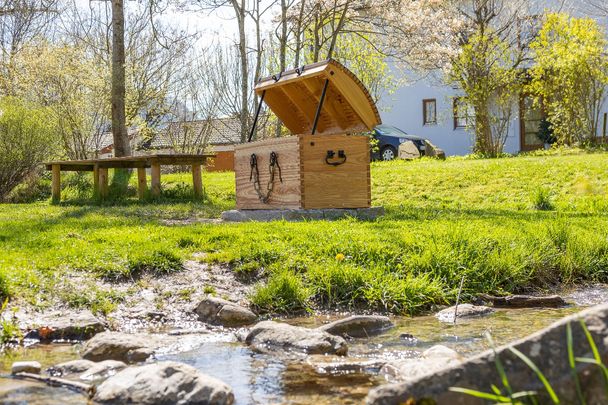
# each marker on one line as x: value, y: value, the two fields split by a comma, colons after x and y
x: 433, y: 359
x: 359, y: 326
x: 217, y: 311
x: 163, y: 383
x: 32, y: 367
x: 129, y: 348
x: 87, y: 370
x: 464, y: 311
x: 80, y: 325
x: 525, y: 301
x: 269, y: 336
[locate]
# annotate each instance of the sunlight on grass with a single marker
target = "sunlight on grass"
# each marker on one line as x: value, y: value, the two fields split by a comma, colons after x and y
x: 444, y: 219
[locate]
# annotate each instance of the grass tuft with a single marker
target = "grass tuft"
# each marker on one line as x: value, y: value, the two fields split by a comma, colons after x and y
x: 284, y: 292
x: 543, y: 199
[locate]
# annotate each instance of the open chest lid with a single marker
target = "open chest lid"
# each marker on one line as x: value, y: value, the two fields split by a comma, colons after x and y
x: 295, y: 95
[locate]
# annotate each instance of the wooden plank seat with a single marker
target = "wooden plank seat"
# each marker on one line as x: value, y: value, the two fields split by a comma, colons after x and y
x: 100, y: 167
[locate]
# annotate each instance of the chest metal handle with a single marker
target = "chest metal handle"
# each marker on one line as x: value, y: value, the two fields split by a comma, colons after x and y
x: 331, y: 155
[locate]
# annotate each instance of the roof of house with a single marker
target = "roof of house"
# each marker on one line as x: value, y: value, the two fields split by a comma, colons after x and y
x: 223, y: 131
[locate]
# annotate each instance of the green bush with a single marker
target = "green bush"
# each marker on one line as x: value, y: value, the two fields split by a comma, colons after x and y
x: 36, y: 187
x: 27, y: 137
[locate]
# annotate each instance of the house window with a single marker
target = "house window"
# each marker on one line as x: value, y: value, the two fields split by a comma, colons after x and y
x: 460, y: 113
x: 429, y: 111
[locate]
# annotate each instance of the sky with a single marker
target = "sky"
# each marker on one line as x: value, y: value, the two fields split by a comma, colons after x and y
x: 212, y: 26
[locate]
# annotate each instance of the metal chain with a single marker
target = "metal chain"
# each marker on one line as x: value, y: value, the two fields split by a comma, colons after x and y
x: 255, y: 176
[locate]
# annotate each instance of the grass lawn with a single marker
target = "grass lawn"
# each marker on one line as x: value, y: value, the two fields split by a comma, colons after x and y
x: 507, y: 225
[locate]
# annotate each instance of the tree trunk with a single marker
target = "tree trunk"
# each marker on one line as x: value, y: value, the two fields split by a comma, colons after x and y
x: 122, y: 146
x: 244, y: 115
x: 282, y: 54
x: 483, y: 131
x: 299, y: 33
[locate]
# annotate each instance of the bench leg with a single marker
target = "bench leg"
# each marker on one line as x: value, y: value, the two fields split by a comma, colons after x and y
x: 155, y: 179
x: 56, y: 183
x: 142, y: 183
x: 96, y: 181
x: 197, y: 180
x: 103, y: 182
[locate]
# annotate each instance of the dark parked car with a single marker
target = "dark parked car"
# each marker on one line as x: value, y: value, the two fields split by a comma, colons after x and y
x: 389, y: 138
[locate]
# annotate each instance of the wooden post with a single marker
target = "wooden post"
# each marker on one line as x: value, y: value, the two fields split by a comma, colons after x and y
x: 56, y: 183
x: 197, y: 180
x: 142, y: 183
x: 155, y: 179
x: 96, y: 181
x: 103, y: 182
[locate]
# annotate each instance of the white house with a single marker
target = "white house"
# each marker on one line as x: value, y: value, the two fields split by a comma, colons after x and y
x: 428, y: 109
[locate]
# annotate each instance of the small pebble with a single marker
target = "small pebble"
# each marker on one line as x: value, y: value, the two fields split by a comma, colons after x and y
x: 32, y: 367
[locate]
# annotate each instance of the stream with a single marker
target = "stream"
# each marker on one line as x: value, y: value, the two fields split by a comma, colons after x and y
x: 267, y: 378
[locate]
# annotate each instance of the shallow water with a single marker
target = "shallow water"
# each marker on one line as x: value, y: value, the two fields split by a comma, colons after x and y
x: 263, y: 378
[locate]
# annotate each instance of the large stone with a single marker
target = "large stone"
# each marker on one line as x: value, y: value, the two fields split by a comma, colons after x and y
x: 79, y: 325
x: 525, y: 301
x: 221, y: 312
x: 118, y: 346
x: 547, y: 348
x: 434, y: 359
x: 408, y: 151
x: 269, y: 336
x: 32, y: 367
x: 431, y: 150
x: 358, y: 326
x: 70, y: 368
x: 164, y: 383
x: 463, y: 311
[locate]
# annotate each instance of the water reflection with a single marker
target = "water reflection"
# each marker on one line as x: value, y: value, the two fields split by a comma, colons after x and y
x: 254, y: 378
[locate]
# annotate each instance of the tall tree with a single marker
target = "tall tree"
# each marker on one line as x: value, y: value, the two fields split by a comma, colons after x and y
x: 122, y: 145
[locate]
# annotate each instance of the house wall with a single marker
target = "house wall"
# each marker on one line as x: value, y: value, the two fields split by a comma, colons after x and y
x: 403, y: 109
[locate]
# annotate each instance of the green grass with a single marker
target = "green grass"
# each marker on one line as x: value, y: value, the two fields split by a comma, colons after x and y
x: 444, y: 219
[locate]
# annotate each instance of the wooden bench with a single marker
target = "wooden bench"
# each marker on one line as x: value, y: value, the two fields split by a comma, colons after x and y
x: 100, y: 167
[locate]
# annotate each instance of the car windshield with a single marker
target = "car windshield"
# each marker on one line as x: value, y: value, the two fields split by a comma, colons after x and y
x: 392, y: 131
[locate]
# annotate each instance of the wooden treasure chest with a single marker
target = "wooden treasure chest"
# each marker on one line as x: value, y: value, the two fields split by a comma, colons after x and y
x: 325, y: 164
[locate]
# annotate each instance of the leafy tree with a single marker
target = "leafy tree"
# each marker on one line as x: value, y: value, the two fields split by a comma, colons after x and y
x: 570, y: 75
x: 27, y: 137
x: 74, y: 87
x: 484, y: 71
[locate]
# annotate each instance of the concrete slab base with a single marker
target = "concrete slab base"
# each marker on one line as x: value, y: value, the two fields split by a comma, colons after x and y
x: 302, y: 214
